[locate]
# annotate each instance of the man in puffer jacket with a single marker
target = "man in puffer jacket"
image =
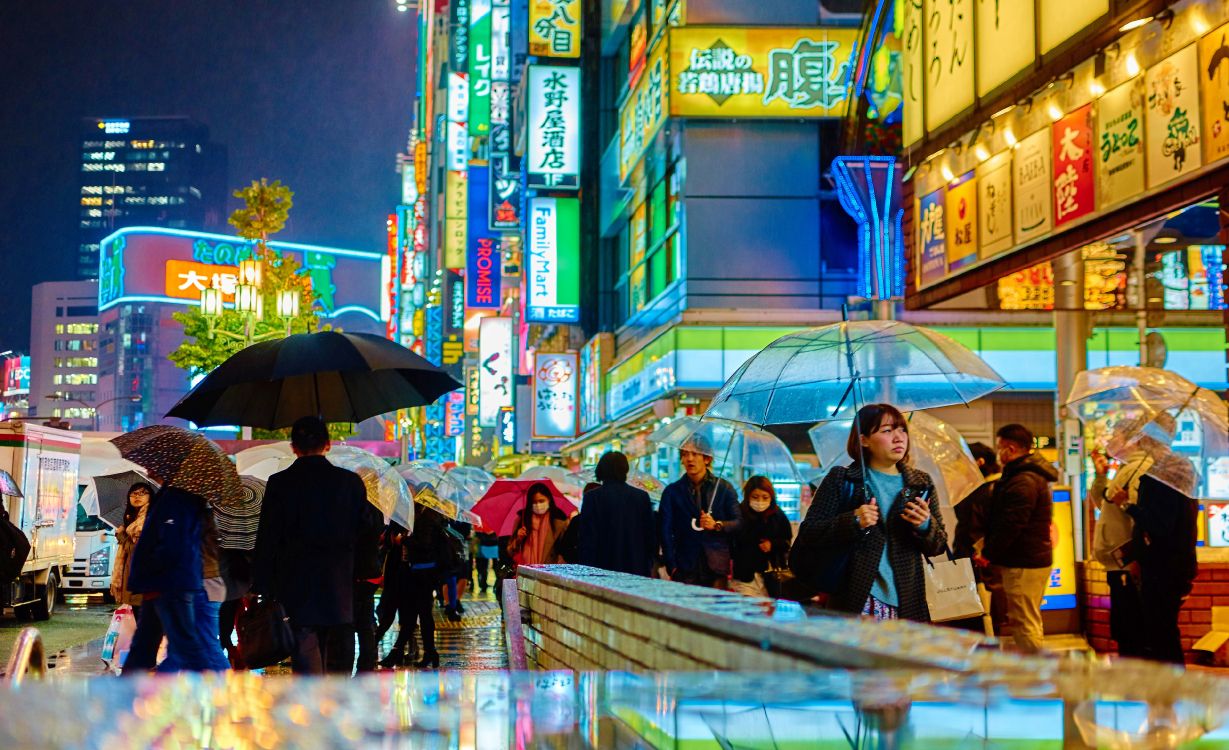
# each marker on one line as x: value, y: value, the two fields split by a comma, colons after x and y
x: 1018, y: 537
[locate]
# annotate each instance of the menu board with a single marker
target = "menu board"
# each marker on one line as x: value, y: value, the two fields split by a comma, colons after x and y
x: 1120, y: 143
x: 1172, y: 100
x: 1031, y: 186
x: 994, y: 210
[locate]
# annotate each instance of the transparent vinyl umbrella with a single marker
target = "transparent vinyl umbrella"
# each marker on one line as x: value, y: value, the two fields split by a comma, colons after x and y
x: 739, y: 451
x: 571, y: 485
x: 832, y: 371
x: 639, y: 479
x: 452, y: 493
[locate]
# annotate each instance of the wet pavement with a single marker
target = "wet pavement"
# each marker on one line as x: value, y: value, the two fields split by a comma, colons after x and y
x: 474, y: 643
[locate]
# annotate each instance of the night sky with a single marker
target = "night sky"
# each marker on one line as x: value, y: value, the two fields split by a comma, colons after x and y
x: 316, y: 93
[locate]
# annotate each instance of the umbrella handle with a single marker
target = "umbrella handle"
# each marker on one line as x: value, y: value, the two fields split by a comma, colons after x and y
x: 695, y: 524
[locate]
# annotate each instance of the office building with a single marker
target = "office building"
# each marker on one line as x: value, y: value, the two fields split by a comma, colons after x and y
x: 63, y: 376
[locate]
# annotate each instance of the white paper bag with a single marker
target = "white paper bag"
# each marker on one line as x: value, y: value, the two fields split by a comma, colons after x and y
x: 951, y: 589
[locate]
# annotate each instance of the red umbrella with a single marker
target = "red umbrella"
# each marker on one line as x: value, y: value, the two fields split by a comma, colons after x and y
x: 506, y: 498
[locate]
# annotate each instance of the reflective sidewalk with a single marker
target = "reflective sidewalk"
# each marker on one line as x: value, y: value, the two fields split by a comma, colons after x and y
x: 474, y: 643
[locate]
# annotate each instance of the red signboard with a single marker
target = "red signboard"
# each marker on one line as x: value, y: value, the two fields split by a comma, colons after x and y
x: 1074, y: 166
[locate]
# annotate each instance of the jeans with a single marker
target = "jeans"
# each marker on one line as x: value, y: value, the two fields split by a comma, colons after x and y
x: 1024, y: 589
x: 190, y: 623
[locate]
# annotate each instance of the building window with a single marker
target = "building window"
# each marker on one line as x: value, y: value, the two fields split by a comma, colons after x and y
x: 650, y: 247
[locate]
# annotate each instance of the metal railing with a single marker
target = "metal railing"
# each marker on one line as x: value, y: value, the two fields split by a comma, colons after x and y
x: 28, y: 656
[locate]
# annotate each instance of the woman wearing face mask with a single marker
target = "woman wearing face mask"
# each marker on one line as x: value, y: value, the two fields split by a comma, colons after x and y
x: 762, y: 539
x: 539, y: 527
x: 126, y: 537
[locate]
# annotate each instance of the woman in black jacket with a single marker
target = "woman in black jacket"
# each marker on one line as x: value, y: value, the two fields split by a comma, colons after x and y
x: 762, y: 539
x: 864, y: 536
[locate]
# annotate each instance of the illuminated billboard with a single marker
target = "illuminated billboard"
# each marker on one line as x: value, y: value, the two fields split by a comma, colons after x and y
x: 554, y: 28
x: 555, y: 381
x: 16, y: 376
x: 494, y: 368
x: 553, y: 261
x: 148, y: 264
x: 554, y: 127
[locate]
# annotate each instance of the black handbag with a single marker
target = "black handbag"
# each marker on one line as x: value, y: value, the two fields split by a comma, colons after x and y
x: 823, y: 570
x: 265, y: 637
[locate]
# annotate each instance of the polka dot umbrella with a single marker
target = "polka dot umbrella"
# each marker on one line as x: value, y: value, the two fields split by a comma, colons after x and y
x: 184, y: 459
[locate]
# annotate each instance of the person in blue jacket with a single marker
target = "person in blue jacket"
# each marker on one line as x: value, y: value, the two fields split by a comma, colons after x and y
x: 699, y: 515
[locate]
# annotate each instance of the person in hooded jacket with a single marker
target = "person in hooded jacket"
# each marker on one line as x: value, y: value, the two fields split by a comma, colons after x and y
x: 617, y: 530
x: 762, y: 540
x: 698, y: 516
x: 1018, y: 534
x: 126, y: 538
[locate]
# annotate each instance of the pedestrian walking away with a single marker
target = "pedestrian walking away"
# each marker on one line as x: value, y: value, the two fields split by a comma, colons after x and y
x: 698, y: 515
x: 761, y: 543
x: 312, y: 521
x: 1018, y: 535
x: 616, y: 529
x: 865, y: 533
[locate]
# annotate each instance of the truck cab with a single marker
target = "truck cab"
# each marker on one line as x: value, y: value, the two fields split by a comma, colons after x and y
x: 94, y: 559
x: 44, y: 462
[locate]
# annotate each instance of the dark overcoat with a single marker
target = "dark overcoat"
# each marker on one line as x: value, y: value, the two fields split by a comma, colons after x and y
x: 617, y: 529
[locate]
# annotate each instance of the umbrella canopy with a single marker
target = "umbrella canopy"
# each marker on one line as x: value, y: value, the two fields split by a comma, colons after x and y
x: 639, y: 479
x: 340, y: 377
x: 237, y: 524
x: 738, y: 451
x: 830, y: 372
x: 935, y: 447
x: 1146, y: 409
x: 100, y: 456
x: 452, y: 493
x: 106, y: 496
x: 500, y: 505
x: 8, y: 485
x: 184, y: 459
x: 566, y: 482
x: 385, y: 489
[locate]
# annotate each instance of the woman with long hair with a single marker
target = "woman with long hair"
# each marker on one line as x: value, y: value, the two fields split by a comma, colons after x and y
x: 871, y: 522
x: 540, y: 526
x: 126, y: 537
x: 762, y: 539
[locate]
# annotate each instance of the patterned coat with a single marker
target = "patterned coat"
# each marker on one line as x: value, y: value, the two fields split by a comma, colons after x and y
x: 830, y: 524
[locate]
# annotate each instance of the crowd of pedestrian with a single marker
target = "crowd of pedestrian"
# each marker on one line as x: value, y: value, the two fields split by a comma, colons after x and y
x: 324, y: 553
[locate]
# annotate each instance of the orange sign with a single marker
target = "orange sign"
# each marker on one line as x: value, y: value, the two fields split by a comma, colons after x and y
x: 186, y: 279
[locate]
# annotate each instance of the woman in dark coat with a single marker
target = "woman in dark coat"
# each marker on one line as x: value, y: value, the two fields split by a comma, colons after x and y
x: 762, y: 539
x: 866, y: 531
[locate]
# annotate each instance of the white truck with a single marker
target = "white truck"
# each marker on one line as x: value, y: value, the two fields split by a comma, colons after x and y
x: 44, y: 461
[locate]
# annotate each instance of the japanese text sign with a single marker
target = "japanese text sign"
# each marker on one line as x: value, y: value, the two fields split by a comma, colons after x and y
x: 554, y: 396
x: 494, y: 368
x: 554, y: 127
x: 644, y: 111
x: 960, y: 209
x: 1120, y: 144
x: 932, y: 235
x: 1214, y: 72
x: 456, y: 211
x: 948, y: 59
x: 186, y: 279
x: 480, y: 68
x: 552, y: 267
x: 1172, y: 101
x: 554, y: 28
x: 1073, y: 166
x: 994, y: 209
x: 759, y: 71
x: 1031, y: 186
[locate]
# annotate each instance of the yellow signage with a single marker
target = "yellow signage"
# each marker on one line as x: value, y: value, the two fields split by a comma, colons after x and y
x: 456, y: 218
x: 644, y: 111
x: 949, y: 60
x: 759, y: 71
x: 1214, y: 82
x: 1062, y: 19
x: 186, y: 279
x: 1004, y: 43
x: 554, y: 28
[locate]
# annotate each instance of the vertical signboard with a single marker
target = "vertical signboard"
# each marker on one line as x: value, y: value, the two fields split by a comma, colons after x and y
x: 505, y: 430
x: 1120, y: 144
x: 554, y: 396
x: 1073, y: 166
x: 494, y: 368
x: 948, y: 59
x: 473, y: 388
x: 933, y: 234
x: 454, y: 414
x: 1059, y: 20
x: 1214, y: 72
x: 1004, y: 42
x: 456, y: 213
x: 913, y: 73
x: 643, y: 112
x: 554, y: 127
x: 1031, y: 186
x: 553, y: 262
x: 1173, y: 116
x: 457, y: 139
x: 479, y: 64
x: 504, y: 198
x: 483, y: 274
x: 554, y: 28
x: 592, y: 399
x: 960, y: 213
x: 994, y: 209
x: 458, y: 37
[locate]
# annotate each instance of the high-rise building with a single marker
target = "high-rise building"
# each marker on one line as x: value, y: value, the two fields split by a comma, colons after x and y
x: 146, y: 171
x: 63, y: 367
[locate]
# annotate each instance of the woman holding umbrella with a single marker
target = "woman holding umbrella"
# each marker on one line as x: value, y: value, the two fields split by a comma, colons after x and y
x: 126, y: 537
x: 539, y: 528
x: 871, y: 522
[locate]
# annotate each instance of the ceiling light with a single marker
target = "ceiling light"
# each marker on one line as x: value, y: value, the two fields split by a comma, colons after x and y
x: 1003, y: 111
x: 1165, y: 240
x: 947, y: 173
x: 1096, y: 88
x: 980, y: 151
x: 1132, y: 25
x: 1054, y: 111
x: 1132, y: 65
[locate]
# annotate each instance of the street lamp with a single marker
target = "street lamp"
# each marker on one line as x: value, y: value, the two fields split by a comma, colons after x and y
x: 92, y: 407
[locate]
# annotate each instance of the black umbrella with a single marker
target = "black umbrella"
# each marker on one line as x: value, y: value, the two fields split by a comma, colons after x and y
x: 112, y: 492
x: 339, y: 377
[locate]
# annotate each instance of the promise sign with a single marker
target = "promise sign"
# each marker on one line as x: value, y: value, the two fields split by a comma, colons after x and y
x: 483, y: 272
x: 553, y: 263
x: 554, y: 128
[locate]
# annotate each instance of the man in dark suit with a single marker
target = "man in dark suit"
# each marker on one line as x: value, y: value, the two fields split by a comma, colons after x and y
x: 617, y: 529
x: 313, y: 519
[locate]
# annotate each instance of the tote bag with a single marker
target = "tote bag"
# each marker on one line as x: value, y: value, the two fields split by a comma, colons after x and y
x: 119, y: 637
x: 951, y: 589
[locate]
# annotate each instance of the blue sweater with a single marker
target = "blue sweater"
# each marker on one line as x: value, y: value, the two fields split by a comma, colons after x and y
x: 882, y: 487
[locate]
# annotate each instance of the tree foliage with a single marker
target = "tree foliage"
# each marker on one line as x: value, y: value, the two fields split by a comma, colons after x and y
x: 266, y: 208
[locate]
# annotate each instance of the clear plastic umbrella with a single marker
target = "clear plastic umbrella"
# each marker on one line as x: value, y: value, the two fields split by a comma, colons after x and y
x: 830, y: 372
x: 1148, y: 410
x: 934, y: 446
x: 636, y: 478
x: 738, y: 451
x: 451, y: 493
x: 565, y: 481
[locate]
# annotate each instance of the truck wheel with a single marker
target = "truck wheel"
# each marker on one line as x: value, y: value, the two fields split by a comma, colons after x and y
x: 45, y: 604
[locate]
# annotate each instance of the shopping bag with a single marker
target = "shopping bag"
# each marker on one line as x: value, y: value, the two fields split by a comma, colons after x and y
x: 118, y: 638
x: 951, y: 589
x: 265, y: 637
